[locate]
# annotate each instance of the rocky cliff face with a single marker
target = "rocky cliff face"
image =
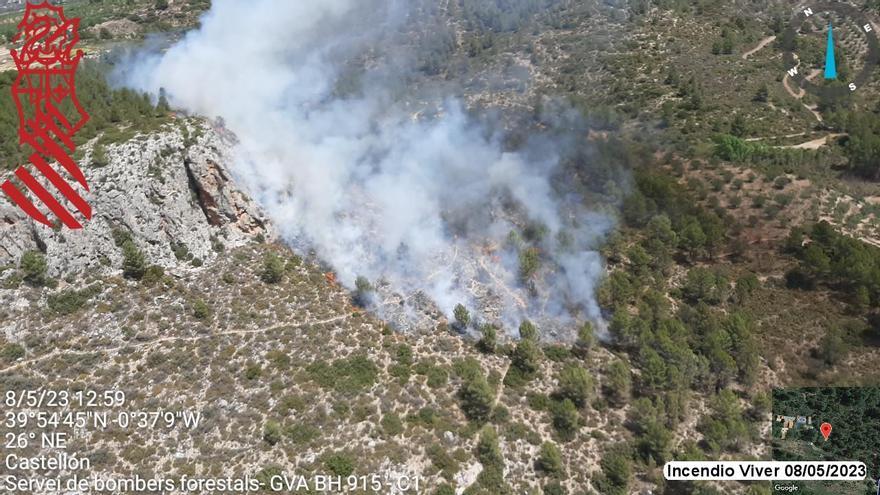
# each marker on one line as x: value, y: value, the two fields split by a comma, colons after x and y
x: 169, y: 190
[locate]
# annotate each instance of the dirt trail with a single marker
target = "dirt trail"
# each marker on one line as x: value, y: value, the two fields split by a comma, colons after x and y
x: 163, y: 340
x: 764, y: 42
x: 776, y: 137
x: 800, y: 93
x: 815, y: 143
x: 797, y: 94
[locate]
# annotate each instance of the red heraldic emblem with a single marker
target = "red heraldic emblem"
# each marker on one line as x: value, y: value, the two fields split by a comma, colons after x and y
x: 49, y: 114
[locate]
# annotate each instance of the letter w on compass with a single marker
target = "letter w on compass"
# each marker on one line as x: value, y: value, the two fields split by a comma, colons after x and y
x: 49, y: 115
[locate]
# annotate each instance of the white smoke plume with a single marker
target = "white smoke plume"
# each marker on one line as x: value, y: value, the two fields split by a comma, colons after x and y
x: 417, y: 205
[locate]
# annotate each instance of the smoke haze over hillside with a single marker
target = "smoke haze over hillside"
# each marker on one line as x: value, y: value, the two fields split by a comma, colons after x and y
x: 426, y: 204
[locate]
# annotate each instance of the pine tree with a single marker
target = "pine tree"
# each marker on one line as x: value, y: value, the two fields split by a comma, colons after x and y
x: 526, y: 358
x: 462, y: 317
x: 619, y: 382
x: 550, y: 459
x: 489, y: 339
x: 566, y: 419
x: 163, y: 108
x: 617, y: 468
x: 364, y: 291
x: 134, y: 264
x: 477, y: 398
x: 584, y: 342
x: 575, y: 384
x: 527, y: 331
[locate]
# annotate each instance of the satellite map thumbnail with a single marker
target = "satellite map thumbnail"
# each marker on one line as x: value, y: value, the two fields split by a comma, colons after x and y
x: 854, y: 416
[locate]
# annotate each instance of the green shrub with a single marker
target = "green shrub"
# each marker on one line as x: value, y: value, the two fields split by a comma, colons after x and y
x: 201, y: 310
x: 301, y: 434
x: 34, y: 267
x: 12, y: 352
x: 617, y: 469
x: 70, y: 301
x: 134, y: 264
x: 528, y: 331
x: 400, y: 372
x: 181, y: 252
x: 153, y: 275
x: 462, y: 317
x: 619, y: 386
x: 347, y: 375
x: 489, y: 339
x: 554, y: 488
x: 99, y: 156
x: 585, y: 340
x: 391, y: 424
x: 105, y: 104
x: 538, y: 402
x: 120, y: 236
x: 404, y: 355
x: 491, y: 478
x: 252, y: 371
x: 364, y: 292
x: 724, y: 427
x: 272, y: 432
x: 557, y: 353
x: 525, y: 362
x: 437, y: 377
x: 339, y: 463
x: 445, y: 489
x: 441, y: 460
x: 550, y: 459
x: 575, y: 384
x: 427, y: 417
x: 265, y: 475
x: 466, y: 368
x: 500, y: 415
x: 781, y: 182
x: 278, y: 358
x: 477, y: 398
x: 529, y: 263
x: 273, y: 269
x: 566, y: 419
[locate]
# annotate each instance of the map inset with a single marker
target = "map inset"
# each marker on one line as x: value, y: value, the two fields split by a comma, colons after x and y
x: 853, y: 413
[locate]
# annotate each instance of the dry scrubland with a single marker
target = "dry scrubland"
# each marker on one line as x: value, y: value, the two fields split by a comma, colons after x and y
x: 343, y: 391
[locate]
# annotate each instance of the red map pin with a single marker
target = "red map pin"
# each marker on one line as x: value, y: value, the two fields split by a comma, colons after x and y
x: 825, y: 428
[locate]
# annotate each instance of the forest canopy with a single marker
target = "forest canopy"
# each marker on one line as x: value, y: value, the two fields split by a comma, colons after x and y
x: 109, y: 109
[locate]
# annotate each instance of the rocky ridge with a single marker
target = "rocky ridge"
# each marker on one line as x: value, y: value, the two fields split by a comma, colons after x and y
x: 170, y: 190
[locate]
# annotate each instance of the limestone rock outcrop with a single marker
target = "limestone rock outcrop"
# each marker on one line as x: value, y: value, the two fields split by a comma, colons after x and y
x: 170, y: 190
